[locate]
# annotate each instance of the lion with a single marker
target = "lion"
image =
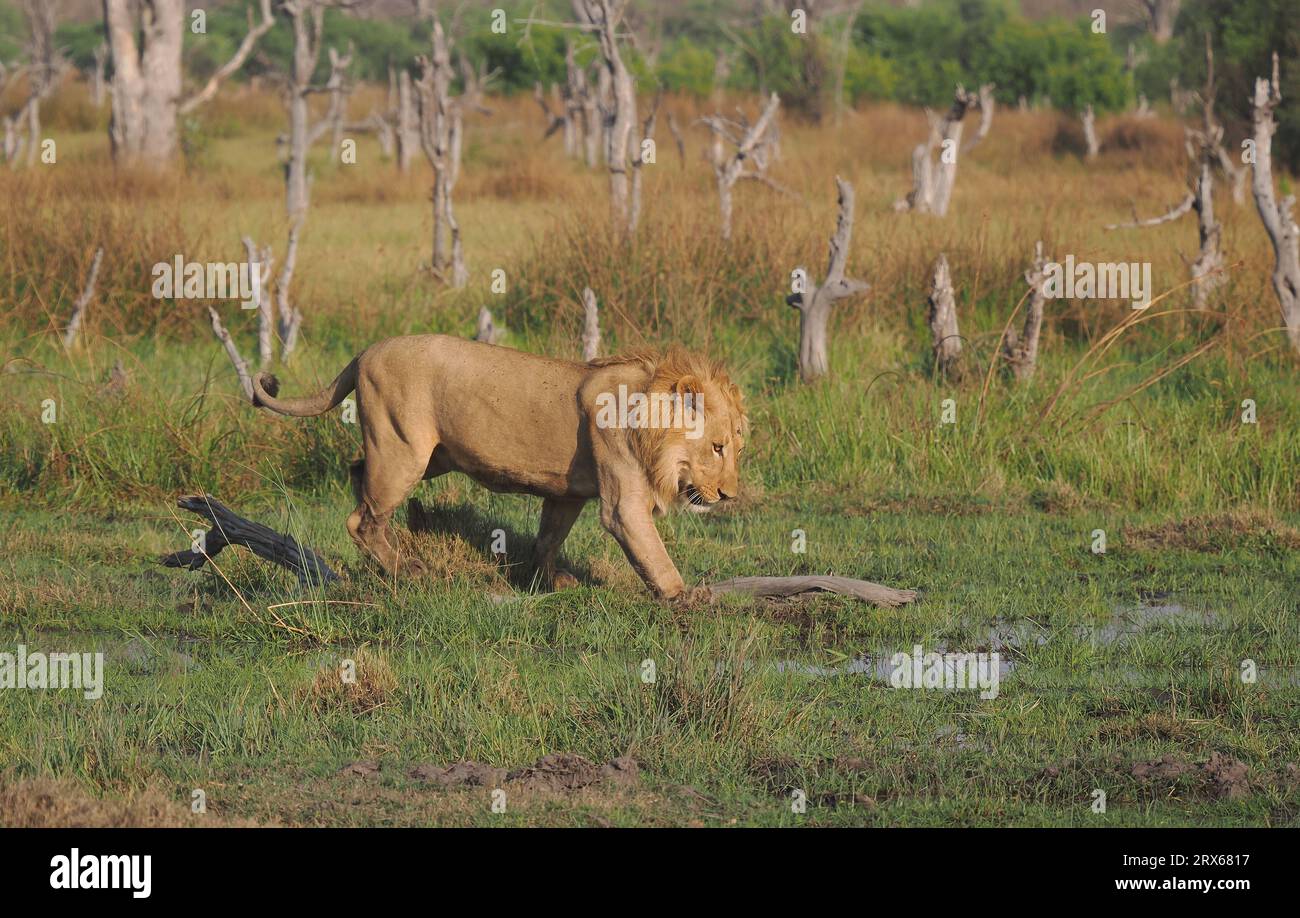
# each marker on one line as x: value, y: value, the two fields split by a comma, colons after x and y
x: 642, y: 433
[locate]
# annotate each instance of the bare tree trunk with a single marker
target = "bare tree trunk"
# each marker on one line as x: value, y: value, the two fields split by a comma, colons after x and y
x: 487, y: 331
x: 943, y: 321
x: 616, y: 85
x: 591, y: 325
x: 440, y: 136
x: 814, y: 303
x: 639, y: 163
x: 1209, y: 261
x: 932, y: 185
x: 45, y: 68
x: 1089, y: 119
x: 986, y: 105
x: 1276, y: 216
x: 260, y: 262
x: 97, y: 75
x: 1161, y: 15
x: 1021, y: 351
x: 146, y: 88
x: 408, y: 126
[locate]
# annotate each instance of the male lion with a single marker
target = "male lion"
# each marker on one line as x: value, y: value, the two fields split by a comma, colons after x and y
x: 517, y: 422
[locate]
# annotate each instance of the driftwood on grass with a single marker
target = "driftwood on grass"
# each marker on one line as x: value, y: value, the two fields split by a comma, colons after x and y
x: 590, y: 326
x: 943, y: 321
x: 79, y: 307
x: 754, y: 148
x: 229, y: 528
x: 1021, y: 351
x: 814, y: 302
x: 782, y: 587
x: 1276, y: 215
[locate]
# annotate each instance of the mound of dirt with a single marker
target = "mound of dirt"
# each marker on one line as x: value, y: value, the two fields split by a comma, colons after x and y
x: 1213, y: 534
x: 1220, y: 776
x: 559, y: 772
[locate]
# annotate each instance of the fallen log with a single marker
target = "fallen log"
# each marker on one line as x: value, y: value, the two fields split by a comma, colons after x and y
x: 783, y: 587
x: 229, y: 528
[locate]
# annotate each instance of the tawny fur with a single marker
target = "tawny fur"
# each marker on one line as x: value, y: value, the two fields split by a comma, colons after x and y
x: 517, y: 422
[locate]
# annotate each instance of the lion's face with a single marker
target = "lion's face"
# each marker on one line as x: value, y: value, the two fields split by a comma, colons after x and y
x: 710, y: 471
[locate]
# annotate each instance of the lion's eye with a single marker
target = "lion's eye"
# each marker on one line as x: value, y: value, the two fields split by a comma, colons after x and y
x: 717, y: 448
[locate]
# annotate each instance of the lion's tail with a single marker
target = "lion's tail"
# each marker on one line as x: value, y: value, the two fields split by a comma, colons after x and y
x: 265, y: 387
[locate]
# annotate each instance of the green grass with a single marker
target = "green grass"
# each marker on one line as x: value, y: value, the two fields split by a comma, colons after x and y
x: 214, y: 678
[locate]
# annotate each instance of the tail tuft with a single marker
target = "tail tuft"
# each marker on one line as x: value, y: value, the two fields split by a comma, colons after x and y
x: 269, y: 384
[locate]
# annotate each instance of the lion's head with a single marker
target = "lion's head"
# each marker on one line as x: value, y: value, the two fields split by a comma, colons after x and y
x: 691, y: 448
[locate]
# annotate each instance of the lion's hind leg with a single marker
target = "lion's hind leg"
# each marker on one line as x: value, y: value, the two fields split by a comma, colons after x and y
x: 381, y: 484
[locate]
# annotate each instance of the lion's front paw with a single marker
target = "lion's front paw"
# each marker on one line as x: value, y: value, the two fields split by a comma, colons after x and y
x: 563, y: 580
x: 692, y: 597
x: 411, y: 567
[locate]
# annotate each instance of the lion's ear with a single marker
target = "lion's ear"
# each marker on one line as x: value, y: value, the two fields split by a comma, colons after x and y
x: 688, y: 383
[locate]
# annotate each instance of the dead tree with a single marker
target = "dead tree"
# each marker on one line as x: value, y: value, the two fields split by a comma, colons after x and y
x: 440, y: 136
x: 591, y: 325
x: 45, y: 69
x: 408, y: 122
x: 487, y: 330
x: 554, y: 122
x: 639, y: 163
x: 986, y: 105
x: 229, y: 528
x: 474, y: 84
x: 261, y: 262
x: 932, y: 184
x: 815, y: 302
x: 1160, y: 18
x: 943, y: 322
x: 307, y: 20
x: 1276, y: 215
x: 1089, y: 119
x: 146, y: 88
x: 1021, y: 351
x: 617, y: 92
x: 97, y: 75
x: 1204, y: 150
x: 754, y: 146
x: 79, y: 307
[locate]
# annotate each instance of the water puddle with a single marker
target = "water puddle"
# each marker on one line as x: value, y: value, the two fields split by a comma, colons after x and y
x: 1009, y: 638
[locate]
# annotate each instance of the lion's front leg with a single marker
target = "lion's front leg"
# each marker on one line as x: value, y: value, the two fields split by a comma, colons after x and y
x: 629, y: 519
